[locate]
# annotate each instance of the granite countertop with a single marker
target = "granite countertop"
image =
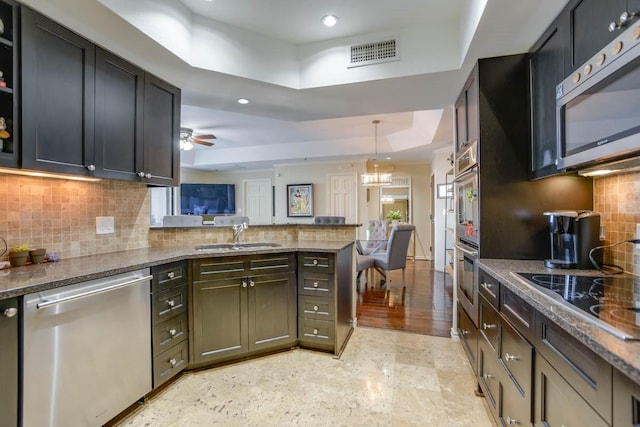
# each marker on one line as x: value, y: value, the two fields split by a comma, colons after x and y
x: 623, y: 355
x: 17, y: 281
x: 283, y: 225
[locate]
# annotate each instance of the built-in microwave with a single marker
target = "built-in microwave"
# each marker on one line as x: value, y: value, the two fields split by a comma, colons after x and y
x: 597, y: 106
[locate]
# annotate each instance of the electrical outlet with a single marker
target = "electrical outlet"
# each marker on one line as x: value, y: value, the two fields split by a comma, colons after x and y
x: 637, y: 235
x: 105, y: 225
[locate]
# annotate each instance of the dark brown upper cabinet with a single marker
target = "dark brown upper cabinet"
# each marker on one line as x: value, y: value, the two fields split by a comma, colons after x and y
x: 466, y: 113
x: 9, y: 42
x: 58, y: 78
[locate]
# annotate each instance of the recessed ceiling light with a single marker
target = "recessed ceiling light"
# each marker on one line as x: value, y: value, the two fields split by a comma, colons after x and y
x: 243, y: 101
x: 388, y: 158
x: 329, y: 20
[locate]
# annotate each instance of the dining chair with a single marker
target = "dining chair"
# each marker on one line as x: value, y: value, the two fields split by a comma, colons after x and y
x: 395, y: 256
x: 377, y: 236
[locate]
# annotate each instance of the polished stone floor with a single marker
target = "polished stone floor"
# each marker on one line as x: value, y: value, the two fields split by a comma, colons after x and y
x: 384, y: 378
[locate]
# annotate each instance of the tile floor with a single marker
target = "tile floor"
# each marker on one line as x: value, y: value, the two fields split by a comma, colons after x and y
x: 384, y: 378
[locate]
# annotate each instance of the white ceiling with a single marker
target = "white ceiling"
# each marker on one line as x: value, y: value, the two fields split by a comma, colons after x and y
x: 305, y: 102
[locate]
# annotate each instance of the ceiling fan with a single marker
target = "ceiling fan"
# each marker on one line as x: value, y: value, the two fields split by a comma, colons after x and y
x: 187, y: 139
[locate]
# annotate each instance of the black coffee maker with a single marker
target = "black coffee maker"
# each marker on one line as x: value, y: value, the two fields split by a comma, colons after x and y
x: 573, y: 234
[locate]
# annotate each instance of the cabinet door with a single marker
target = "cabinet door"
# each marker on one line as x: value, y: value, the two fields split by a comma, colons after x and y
x: 626, y: 400
x: 57, y: 97
x: 9, y: 362
x: 547, y: 69
x: 460, y: 110
x: 272, y: 311
x: 118, y: 125
x: 590, y: 21
x: 220, y: 326
x: 466, y: 113
x: 161, y: 132
x: 9, y: 110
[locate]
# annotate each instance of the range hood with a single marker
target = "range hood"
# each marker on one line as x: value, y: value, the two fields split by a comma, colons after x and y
x: 631, y: 164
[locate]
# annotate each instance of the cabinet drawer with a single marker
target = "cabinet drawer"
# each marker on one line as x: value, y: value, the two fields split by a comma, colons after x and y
x: 169, y: 333
x: 315, y: 307
x: 557, y: 403
x: 517, y: 355
x: 488, y: 287
x: 168, y: 275
x: 310, y: 283
x: 271, y: 263
x: 468, y: 336
x: 520, y: 313
x: 169, y: 363
x: 316, y: 333
x: 489, y: 326
x: 585, y: 371
x: 217, y: 268
x: 168, y: 303
x: 489, y: 376
x: 316, y: 262
x: 515, y: 406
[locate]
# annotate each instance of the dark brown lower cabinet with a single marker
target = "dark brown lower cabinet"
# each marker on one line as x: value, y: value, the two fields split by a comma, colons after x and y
x: 468, y: 334
x: 557, y: 403
x: 252, y: 312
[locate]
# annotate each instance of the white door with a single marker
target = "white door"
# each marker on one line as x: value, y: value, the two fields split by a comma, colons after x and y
x: 343, y: 197
x: 258, y: 203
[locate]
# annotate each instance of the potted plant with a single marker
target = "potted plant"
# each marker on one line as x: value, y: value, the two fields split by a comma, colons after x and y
x: 37, y: 255
x: 394, y: 216
x: 19, y: 255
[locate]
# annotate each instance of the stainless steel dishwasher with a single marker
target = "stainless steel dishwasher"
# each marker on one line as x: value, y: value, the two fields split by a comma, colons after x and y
x: 87, y: 350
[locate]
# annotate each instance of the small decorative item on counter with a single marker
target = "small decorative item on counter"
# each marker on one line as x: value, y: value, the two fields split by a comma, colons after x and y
x: 53, y: 257
x: 37, y: 255
x: 2, y: 82
x: 19, y: 255
x: 3, y: 129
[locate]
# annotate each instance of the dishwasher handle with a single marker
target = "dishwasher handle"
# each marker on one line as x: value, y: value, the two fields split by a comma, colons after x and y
x: 46, y: 304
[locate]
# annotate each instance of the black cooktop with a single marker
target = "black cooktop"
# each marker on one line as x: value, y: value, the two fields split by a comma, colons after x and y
x: 613, y: 302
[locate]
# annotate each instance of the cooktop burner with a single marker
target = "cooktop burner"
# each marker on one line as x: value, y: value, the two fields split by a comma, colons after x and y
x: 612, y: 302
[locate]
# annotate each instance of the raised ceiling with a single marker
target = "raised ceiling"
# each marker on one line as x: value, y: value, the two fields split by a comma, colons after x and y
x: 306, y: 103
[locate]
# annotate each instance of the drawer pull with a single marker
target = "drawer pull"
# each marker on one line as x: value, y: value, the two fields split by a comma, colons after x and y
x: 171, y: 275
x: 172, y: 332
x: 252, y: 283
x: 488, y: 326
x: 315, y: 308
x: 173, y: 362
x: 315, y: 331
x: 465, y: 332
x: 316, y: 284
x: 488, y: 376
x: 512, y: 421
x: 244, y: 283
x: 510, y: 357
x: 171, y: 303
x: 487, y: 285
x: 315, y: 262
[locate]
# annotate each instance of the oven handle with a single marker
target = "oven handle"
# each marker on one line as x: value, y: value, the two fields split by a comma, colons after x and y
x: 463, y: 176
x: 470, y: 252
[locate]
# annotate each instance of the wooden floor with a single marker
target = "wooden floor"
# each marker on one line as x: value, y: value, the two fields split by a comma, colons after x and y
x: 423, y: 305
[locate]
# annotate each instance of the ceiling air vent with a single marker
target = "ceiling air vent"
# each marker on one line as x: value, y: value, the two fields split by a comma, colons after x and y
x: 374, y: 53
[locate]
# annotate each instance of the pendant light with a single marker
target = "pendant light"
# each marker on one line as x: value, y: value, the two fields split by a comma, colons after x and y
x: 375, y: 178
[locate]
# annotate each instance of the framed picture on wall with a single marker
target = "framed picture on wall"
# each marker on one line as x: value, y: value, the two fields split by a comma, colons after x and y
x: 445, y: 191
x: 300, y: 200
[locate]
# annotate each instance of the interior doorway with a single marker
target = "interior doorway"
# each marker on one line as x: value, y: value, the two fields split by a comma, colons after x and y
x: 258, y: 200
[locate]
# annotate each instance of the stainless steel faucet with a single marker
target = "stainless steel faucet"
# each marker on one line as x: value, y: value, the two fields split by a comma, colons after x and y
x: 237, y: 231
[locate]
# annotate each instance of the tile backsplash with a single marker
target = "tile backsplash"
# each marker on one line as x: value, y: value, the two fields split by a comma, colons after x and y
x: 60, y: 215
x: 617, y: 198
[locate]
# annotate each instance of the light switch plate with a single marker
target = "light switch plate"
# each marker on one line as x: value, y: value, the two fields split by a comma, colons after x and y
x: 105, y: 225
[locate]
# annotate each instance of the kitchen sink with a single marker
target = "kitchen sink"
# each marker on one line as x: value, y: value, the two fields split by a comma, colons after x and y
x: 237, y: 246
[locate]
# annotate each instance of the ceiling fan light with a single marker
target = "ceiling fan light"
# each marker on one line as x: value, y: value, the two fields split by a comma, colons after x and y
x: 186, y: 145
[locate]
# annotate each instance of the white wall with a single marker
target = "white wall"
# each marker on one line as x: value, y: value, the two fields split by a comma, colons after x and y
x: 440, y: 166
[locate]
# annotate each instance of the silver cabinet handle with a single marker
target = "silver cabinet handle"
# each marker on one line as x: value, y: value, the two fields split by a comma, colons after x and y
x: 141, y: 174
x: 173, y: 362
x: 171, y: 302
x: 486, y: 285
x: 10, y: 312
x: 148, y: 176
x: 171, y: 275
x: 465, y: 332
x: 315, y: 262
x: 172, y: 332
x: 488, y: 376
x: 488, y: 326
x: 244, y: 283
x: 510, y: 357
x: 252, y: 283
x: 315, y: 331
x: 315, y: 308
x: 91, y: 168
x: 512, y: 421
x: 315, y: 284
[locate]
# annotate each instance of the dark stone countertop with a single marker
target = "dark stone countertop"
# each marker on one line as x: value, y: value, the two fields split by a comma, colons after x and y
x: 623, y: 355
x: 17, y: 281
x: 283, y: 225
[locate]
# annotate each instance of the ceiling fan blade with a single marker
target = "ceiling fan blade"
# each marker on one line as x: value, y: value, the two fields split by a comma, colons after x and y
x: 205, y: 136
x: 201, y: 142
